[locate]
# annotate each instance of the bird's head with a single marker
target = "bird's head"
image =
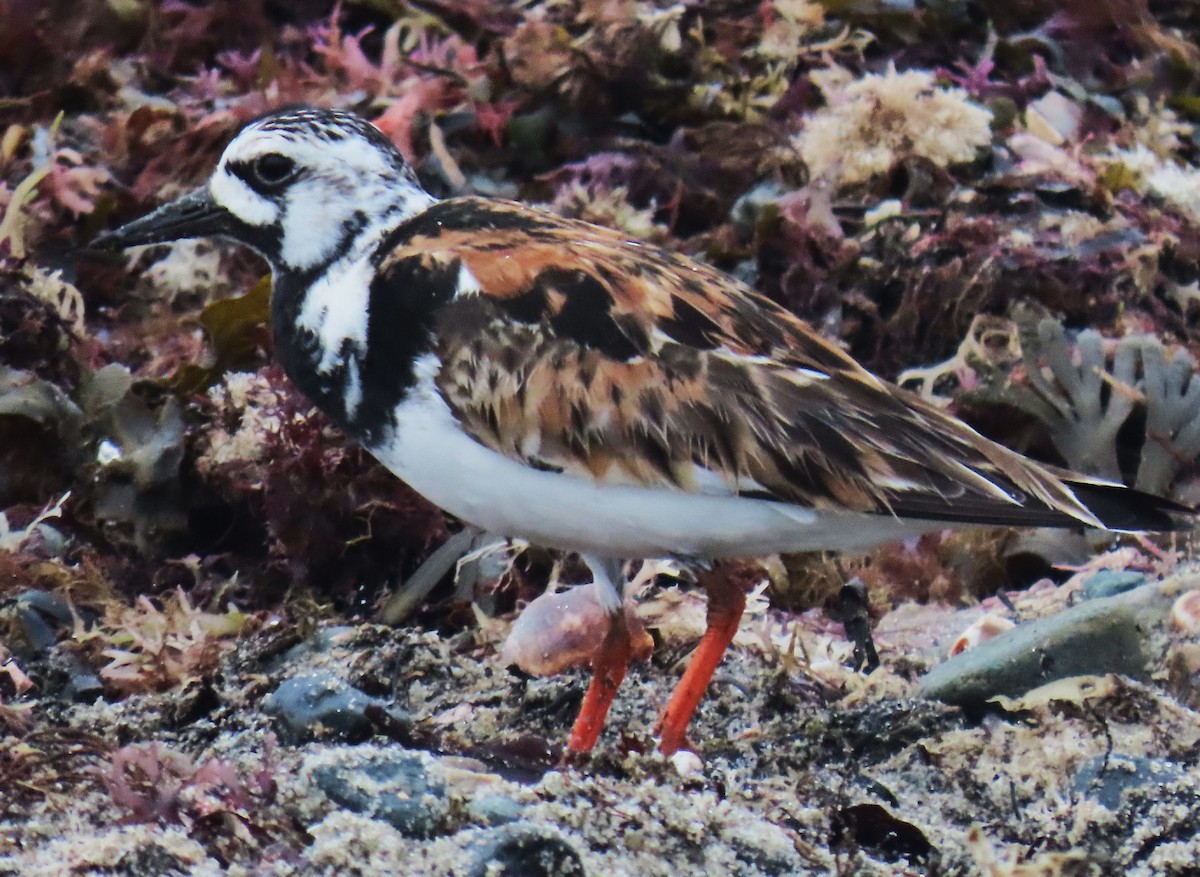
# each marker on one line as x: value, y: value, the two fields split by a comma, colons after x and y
x: 300, y: 186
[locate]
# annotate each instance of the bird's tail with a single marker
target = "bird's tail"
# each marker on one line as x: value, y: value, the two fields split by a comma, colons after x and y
x: 1125, y: 509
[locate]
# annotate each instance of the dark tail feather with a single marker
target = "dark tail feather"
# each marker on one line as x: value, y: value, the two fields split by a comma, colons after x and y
x: 1122, y: 508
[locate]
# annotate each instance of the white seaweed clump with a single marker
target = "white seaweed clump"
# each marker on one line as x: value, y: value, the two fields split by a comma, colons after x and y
x: 873, y: 122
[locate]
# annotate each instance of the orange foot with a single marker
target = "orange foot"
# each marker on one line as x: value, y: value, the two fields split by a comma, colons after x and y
x: 608, y: 670
x: 726, y: 603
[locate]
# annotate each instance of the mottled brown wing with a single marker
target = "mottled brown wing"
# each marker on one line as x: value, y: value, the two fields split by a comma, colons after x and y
x: 571, y: 348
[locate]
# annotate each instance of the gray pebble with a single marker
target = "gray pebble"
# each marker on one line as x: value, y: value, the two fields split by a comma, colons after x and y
x: 1110, y: 582
x: 1107, y: 783
x: 38, y: 632
x: 82, y: 686
x: 319, y: 705
x: 395, y: 788
x: 42, y: 615
x: 47, y: 604
x: 322, y: 641
x: 495, y: 809
x: 525, y: 850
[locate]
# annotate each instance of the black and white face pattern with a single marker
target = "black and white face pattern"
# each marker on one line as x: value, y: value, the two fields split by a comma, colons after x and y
x: 305, y: 187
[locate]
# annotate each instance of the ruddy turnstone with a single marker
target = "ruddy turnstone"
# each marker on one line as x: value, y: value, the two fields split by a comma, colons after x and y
x: 552, y: 380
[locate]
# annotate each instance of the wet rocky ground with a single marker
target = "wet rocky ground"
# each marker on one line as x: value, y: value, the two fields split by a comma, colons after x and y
x: 359, y: 749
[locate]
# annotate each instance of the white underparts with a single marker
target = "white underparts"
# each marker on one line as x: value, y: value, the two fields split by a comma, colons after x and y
x: 430, y: 452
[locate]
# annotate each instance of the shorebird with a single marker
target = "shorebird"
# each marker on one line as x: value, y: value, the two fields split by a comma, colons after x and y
x: 552, y: 380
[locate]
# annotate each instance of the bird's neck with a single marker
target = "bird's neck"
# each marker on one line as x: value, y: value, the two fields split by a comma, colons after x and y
x: 349, y: 337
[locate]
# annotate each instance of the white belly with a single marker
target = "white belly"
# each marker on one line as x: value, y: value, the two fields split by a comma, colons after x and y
x: 449, y: 468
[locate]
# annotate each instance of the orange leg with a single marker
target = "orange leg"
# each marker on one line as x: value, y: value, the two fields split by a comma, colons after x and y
x: 608, y: 670
x: 726, y: 602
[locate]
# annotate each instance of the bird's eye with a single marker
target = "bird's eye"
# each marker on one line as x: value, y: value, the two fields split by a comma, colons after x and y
x: 273, y: 170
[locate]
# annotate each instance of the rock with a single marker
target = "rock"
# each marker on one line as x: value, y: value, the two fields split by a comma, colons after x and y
x: 1108, y: 782
x: 1104, y: 635
x: 82, y: 685
x: 38, y: 632
x: 47, y: 604
x: 1034, y: 553
x: 1109, y: 583
x: 319, y: 705
x: 41, y: 616
x: 393, y: 786
x: 323, y: 640
x: 525, y: 850
x: 150, y: 860
x: 766, y: 849
x: 495, y: 809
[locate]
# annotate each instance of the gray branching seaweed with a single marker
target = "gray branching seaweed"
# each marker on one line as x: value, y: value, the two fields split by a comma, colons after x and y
x: 1083, y: 421
x: 1172, y: 395
x: 1082, y: 392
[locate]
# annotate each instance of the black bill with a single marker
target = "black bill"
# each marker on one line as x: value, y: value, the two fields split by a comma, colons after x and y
x: 194, y: 215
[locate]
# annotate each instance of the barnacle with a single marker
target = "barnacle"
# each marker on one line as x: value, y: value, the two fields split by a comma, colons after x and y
x: 1185, y: 613
x: 983, y: 629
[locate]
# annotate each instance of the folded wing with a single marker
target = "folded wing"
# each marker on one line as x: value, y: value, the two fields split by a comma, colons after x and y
x: 573, y: 349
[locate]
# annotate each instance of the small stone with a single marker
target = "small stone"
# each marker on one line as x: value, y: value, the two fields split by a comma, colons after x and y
x: 1110, y: 582
x: 41, y: 615
x: 1106, y: 780
x: 495, y: 809
x: 39, y: 633
x: 47, y: 604
x: 82, y: 685
x: 394, y: 787
x: 765, y: 848
x: 319, y: 705
x: 323, y: 640
x: 150, y: 860
x: 524, y: 850
x: 686, y: 763
x: 1090, y: 639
